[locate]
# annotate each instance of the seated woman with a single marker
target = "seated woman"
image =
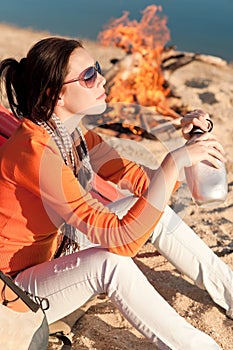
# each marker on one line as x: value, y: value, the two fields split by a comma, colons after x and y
x: 47, y: 172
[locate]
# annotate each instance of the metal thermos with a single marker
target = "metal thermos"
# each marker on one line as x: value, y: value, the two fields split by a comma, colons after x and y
x: 208, y: 185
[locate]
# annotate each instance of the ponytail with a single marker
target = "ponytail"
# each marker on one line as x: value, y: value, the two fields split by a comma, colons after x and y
x: 12, y: 74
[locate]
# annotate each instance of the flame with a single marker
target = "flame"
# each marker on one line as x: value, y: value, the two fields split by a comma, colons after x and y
x: 142, y: 80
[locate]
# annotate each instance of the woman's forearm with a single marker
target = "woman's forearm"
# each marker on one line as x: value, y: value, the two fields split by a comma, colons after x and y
x: 163, y: 182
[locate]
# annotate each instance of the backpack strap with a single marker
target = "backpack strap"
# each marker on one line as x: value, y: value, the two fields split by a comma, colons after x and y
x: 11, y: 293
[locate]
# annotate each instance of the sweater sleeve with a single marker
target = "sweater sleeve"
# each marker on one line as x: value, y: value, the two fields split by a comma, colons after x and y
x: 42, y: 171
x: 109, y: 165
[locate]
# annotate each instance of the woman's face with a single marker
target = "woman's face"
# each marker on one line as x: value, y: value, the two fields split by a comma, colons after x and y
x: 75, y: 98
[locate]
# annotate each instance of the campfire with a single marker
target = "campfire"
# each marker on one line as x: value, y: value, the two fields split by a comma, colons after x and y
x: 140, y: 99
x: 140, y: 78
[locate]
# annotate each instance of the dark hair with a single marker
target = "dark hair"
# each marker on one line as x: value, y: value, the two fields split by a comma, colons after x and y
x: 33, y: 84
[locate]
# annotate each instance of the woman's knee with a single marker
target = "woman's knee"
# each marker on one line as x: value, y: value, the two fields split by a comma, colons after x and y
x: 113, y: 266
x: 114, y: 260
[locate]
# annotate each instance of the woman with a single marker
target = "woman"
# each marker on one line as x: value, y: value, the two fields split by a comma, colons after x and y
x: 47, y: 180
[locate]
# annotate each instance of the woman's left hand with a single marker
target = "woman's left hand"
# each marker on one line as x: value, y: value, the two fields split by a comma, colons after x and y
x: 198, y: 118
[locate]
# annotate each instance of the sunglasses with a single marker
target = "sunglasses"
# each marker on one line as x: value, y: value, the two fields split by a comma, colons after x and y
x: 88, y: 77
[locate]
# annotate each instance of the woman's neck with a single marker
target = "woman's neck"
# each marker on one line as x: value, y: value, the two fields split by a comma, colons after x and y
x: 70, y: 121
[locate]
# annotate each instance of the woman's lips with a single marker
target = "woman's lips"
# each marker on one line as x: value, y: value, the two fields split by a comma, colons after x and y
x: 102, y: 97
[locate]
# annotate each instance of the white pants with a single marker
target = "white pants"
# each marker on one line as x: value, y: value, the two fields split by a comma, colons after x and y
x: 68, y: 282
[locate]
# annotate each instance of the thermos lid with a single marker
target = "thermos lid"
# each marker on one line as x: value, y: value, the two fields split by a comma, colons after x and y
x: 196, y: 130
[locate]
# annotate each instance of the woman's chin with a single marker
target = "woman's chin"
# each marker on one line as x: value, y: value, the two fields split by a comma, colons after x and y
x: 97, y: 109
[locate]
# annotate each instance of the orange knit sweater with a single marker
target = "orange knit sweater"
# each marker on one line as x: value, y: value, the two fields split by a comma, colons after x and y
x: 38, y: 193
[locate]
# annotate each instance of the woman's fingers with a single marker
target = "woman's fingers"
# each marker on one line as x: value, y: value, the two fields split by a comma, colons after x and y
x: 214, y: 160
x: 216, y: 154
x: 196, y: 118
x: 209, y: 150
x: 209, y: 140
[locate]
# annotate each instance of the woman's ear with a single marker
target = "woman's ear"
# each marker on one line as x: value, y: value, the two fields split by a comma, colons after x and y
x: 60, y: 100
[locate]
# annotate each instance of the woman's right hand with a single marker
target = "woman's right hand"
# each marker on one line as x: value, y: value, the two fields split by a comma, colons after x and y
x: 203, y: 147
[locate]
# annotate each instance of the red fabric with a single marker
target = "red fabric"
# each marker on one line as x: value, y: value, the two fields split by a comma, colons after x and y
x: 8, y: 123
x: 2, y: 140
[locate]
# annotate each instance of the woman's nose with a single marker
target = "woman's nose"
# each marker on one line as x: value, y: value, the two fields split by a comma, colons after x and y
x: 101, y: 79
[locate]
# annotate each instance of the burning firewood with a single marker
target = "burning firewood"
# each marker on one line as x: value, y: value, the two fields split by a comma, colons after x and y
x: 131, y: 121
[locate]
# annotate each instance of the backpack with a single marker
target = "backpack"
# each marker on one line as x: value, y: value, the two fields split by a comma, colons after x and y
x: 23, y: 324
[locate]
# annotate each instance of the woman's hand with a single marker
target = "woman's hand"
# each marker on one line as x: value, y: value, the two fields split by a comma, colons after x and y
x: 195, y: 118
x: 204, y: 147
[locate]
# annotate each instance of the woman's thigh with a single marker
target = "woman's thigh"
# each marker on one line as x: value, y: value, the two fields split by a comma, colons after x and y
x: 69, y: 281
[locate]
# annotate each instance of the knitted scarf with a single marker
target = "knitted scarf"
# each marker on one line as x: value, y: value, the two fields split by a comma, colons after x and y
x: 74, y: 151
